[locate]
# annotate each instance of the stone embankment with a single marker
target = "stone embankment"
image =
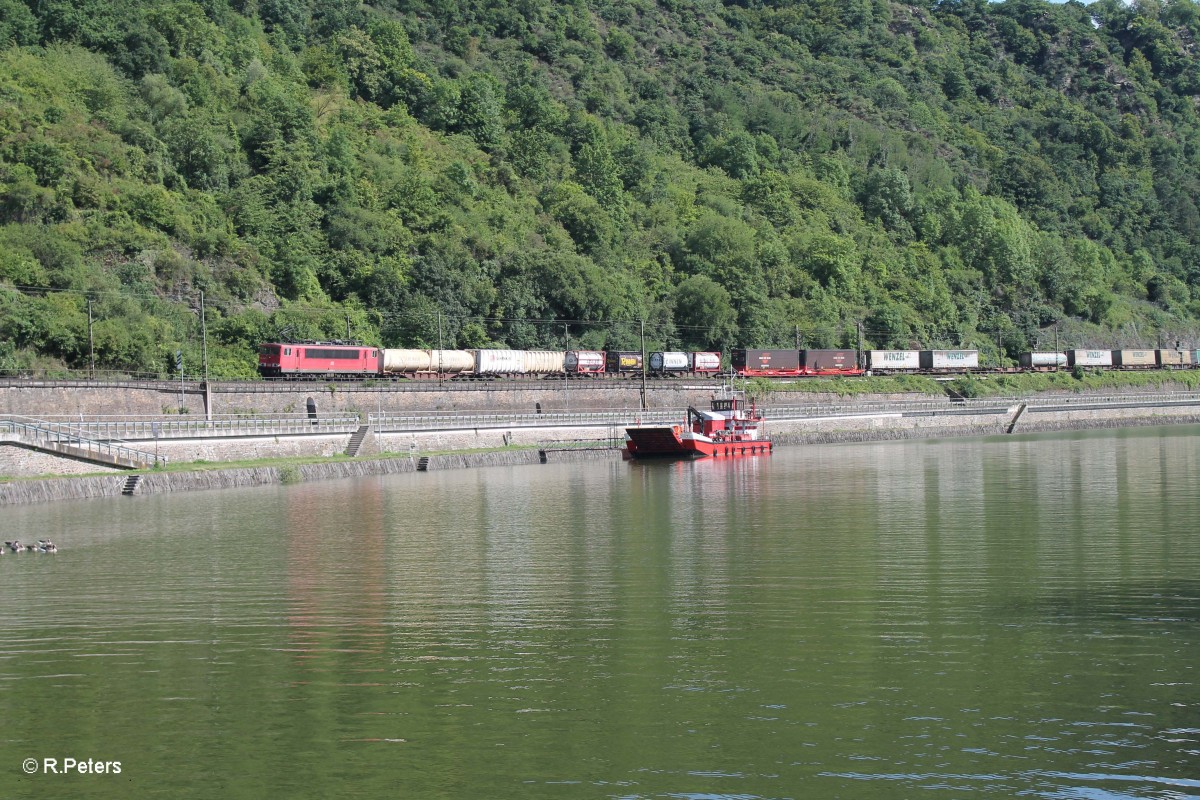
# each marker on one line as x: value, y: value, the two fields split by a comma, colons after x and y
x: 84, y: 488
x: 869, y: 419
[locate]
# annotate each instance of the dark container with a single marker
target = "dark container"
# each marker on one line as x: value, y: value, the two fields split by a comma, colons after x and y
x: 766, y: 362
x: 829, y: 360
x: 623, y: 361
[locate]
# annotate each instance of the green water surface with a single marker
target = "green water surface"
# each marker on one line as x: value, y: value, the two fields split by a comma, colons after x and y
x: 1010, y: 617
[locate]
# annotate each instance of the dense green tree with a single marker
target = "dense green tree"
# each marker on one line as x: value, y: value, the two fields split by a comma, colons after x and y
x: 705, y: 315
x: 737, y: 173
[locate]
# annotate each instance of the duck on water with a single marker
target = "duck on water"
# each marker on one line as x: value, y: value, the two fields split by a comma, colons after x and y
x: 42, y: 546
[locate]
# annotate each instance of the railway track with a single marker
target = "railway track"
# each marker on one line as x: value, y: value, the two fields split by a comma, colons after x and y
x: 218, y: 386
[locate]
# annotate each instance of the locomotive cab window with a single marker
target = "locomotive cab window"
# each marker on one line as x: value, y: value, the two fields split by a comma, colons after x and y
x: 287, y: 351
x: 268, y: 350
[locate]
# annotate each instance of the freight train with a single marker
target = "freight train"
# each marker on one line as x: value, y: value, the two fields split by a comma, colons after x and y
x: 345, y: 361
x: 349, y: 361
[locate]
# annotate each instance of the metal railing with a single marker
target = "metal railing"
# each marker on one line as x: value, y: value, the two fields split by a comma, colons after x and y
x: 115, y: 430
x: 145, y: 427
x: 440, y: 420
x: 48, y: 437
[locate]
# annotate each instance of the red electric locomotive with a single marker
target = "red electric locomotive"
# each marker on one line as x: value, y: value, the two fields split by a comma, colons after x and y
x: 317, y: 360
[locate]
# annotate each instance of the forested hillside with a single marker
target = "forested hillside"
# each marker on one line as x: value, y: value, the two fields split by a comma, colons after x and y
x: 529, y: 173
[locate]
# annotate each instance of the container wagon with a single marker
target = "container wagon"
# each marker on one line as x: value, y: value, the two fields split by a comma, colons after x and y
x: 704, y: 363
x: 618, y: 361
x: 584, y: 362
x: 1174, y: 358
x: 1134, y: 359
x: 499, y: 362
x: 949, y: 360
x: 410, y: 363
x: 767, y: 363
x: 1089, y: 358
x: 830, y: 362
x: 544, y: 362
x: 1043, y: 360
x: 885, y: 361
x: 668, y: 363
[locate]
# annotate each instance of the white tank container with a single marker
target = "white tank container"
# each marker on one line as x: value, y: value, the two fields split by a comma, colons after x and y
x: 584, y: 361
x: 544, y: 362
x: 705, y: 362
x: 499, y: 362
x: 668, y: 362
x: 1034, y: 360
x: 449, y: 361
x: 405, y: 360
x: 452, y: 361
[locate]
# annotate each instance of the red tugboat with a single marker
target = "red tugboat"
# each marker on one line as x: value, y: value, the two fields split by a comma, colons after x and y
x: 728, y: 429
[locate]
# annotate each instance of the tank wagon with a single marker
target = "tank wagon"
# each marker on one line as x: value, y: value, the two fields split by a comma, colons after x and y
x: 585, y: 362
x: 1043, y: 361
x: 426, y: 363
x: 666, y: 363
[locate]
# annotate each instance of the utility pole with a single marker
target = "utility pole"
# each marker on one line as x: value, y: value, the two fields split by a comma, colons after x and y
x: 643, y: 322
x: 349, y: 338
x: 439, y: 345
x: 179, y: 368
x: 91, y: 344
x: 204, y: 337
x: 1056, y: 365
x: 859, y: 353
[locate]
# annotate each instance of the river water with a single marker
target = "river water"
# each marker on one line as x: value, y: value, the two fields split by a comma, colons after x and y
x: 1008, y: 617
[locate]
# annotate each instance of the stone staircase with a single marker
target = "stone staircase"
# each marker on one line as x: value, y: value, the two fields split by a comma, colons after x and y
x: 131, y: 484
x: 357, y: 439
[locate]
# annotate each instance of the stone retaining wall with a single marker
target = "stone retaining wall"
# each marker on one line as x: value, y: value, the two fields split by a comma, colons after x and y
x: 829, y: 430
x: 59, y: 489
x: 551, y: 396
x: 17, y: 459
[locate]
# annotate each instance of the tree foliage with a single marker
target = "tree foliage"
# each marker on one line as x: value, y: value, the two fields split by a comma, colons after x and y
x: 735, y: 174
